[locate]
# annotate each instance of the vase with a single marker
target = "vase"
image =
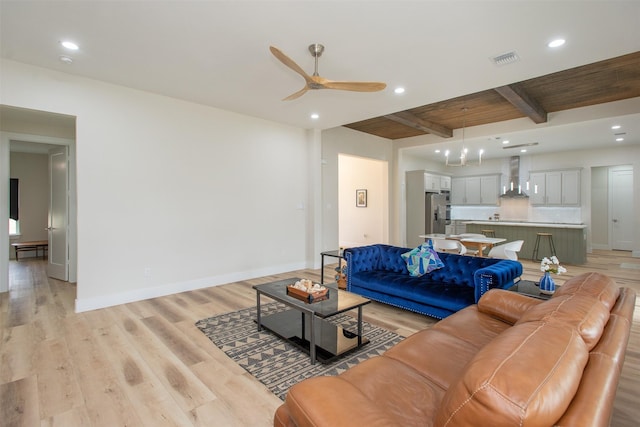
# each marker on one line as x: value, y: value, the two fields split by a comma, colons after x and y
x: 547, y: 285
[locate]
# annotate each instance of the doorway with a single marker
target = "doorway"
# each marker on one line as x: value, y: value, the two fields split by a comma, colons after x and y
x: 621, y: 208
x: 363, y: 201
x: 36, y: 143
x: 612, y: 207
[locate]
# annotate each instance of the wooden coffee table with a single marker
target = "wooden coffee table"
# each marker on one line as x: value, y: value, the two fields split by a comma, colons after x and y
x: 305, y: 324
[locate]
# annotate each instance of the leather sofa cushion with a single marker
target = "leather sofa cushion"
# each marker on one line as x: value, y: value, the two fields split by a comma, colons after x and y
x: 594, y: 284
x: 527, y: 375
x: 379, y: 392
x: 583, y: 302
x: 506, y: 305
x: 584, y: 313
x: 441, y: 352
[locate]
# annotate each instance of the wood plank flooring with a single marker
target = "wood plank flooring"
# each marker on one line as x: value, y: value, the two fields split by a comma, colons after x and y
x: 146, y: 364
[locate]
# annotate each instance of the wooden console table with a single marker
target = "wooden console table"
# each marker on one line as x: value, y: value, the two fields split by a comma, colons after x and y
x: 31, y: 246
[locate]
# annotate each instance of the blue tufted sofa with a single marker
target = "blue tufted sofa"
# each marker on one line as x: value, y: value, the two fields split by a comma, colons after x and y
x: 380, y: 273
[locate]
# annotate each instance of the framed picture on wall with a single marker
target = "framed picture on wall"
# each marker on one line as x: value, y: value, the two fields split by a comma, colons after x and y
x: 361, y: 198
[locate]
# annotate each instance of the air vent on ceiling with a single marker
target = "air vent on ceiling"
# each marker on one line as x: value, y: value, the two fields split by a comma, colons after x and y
x: 506, y: 58
x: 528, y: 144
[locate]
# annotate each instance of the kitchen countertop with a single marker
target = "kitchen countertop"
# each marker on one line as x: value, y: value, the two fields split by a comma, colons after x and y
x: 526, y: 224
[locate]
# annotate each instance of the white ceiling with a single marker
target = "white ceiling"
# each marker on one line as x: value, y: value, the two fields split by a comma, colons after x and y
x: 217, y: 52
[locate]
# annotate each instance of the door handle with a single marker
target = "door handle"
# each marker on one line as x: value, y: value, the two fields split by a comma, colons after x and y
x: 614, y: 220
x: 49, y: 228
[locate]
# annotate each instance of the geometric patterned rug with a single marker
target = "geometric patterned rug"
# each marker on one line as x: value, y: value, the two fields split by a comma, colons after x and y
x: 276, y: 363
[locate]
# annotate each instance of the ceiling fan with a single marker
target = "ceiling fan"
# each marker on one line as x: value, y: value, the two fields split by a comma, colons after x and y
x: 316, y: 82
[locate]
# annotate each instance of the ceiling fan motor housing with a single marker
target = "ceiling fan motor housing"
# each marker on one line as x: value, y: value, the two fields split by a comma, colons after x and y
x: 316, y: 49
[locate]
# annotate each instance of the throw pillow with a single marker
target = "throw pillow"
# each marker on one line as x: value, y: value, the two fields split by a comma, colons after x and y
x: 422, y: 260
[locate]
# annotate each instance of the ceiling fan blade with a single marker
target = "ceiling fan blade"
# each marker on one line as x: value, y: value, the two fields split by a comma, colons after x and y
x: 355, y: 86
x: 289, y: 62
x: 298, y: 94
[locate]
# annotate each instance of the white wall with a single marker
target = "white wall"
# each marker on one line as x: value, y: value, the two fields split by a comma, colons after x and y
x: 191, y: 195
x: 338, y: 141
x: 359, y: 226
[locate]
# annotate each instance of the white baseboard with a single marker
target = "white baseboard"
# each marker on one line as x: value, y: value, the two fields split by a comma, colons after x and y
x: 110, y: 300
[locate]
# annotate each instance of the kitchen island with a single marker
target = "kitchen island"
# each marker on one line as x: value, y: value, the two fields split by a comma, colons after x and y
x: 570, y: 240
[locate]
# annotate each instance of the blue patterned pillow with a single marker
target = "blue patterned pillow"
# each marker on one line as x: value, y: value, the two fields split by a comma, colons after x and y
x: 422, y: 260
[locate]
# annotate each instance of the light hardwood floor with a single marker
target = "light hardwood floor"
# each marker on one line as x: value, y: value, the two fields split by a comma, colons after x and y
x: 145, y: 363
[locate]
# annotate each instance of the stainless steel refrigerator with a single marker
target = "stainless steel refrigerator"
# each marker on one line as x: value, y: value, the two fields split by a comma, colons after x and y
x: 435, y: 209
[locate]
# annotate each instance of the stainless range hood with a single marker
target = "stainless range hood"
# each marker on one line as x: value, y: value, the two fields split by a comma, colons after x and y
x: 514, y: 189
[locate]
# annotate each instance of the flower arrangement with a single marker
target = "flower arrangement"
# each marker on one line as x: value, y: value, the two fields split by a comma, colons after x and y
x: 552, y: 265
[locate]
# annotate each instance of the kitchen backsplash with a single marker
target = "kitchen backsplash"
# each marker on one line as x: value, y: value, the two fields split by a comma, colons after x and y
x: 518, y: 210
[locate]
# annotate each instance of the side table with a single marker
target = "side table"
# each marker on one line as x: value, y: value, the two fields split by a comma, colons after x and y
x: 335, y: 254
x: 529, y: 288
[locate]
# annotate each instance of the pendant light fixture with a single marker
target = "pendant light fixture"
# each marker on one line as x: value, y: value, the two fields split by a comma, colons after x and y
x: 464, y: 150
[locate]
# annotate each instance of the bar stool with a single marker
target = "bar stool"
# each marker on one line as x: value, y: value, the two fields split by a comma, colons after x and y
x: 549, y: 238
x: 488, y: 233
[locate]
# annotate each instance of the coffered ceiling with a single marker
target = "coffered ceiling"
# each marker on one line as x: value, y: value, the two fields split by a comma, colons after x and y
x: 601, y: 82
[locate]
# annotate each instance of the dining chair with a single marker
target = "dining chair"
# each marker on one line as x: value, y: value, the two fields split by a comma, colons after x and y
x: 507, y: 251
x: 472, y: 251
x: 446, y: 245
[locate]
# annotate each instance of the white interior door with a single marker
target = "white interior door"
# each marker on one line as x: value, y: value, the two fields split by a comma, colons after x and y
x: 620, y: 207
x: 58, y: 266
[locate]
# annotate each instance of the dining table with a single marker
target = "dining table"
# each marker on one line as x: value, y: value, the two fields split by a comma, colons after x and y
x: 474, y: 243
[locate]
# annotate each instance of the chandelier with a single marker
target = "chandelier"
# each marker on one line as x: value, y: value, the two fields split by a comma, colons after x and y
x: 464, y: 150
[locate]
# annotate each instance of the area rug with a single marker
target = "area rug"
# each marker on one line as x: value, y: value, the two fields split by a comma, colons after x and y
x: 276, y: 363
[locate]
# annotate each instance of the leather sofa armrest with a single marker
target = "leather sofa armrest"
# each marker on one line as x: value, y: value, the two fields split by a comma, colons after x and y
x: 506, y: 305
x: 333, y: 402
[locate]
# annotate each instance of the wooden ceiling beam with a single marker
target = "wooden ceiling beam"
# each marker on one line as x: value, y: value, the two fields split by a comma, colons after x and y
x: 408, y: 119
x: 523, y: 102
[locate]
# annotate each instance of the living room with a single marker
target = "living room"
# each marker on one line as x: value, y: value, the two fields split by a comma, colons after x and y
x: 174, y: 194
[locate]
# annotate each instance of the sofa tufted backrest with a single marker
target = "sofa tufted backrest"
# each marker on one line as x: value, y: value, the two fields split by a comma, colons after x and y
x: 376, y: 257
x: 460, y: 269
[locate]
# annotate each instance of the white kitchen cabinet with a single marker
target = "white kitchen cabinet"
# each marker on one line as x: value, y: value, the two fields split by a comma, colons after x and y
x: 432, y: 183
x: 445, y: 183
x: 571, y: 187
x: 475, y: 190
x: 489, y: 189
x: 458, y: 191
x: 555, y: 188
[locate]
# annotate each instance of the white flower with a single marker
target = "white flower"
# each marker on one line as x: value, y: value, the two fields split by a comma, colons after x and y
x: 552, y: 265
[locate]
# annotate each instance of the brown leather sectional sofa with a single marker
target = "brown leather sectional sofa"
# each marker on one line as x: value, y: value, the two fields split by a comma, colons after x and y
x: 510, y: 361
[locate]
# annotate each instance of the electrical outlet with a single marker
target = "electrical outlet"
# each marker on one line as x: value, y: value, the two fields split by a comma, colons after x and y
x: 147, y: 272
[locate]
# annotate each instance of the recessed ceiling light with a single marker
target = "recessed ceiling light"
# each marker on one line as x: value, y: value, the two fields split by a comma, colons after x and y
x: 69, y: 45
x: 619, y: 139
x: 66, y: 59
x: 506, y: 141
x: 615, y: 127
x: 437, y: 151
x: 315, y: 116
x: 524, y: 150
x: 398, y: 90
x: 556, y: 43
